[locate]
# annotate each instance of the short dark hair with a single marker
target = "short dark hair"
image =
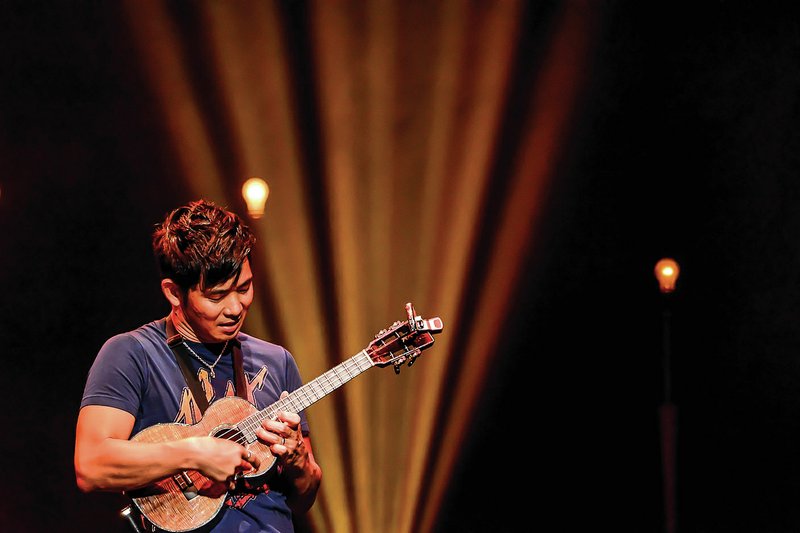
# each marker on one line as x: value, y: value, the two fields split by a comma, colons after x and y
x: 201, y: 244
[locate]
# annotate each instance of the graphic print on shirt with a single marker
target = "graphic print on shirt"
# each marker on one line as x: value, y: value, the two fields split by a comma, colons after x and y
x: 189, y: 412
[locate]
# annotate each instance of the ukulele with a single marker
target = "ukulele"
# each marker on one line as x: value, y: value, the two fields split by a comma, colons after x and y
x: 189, y: 500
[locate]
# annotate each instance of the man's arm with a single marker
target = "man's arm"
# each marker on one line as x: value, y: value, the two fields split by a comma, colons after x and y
x: 285, y: 439
x: 305, y: 476
x: 106, y: 460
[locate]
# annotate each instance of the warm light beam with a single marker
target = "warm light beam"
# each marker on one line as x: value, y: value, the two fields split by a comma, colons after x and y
x: 378, y: 125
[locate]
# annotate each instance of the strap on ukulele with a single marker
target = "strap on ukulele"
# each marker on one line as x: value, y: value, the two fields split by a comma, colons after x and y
x: 175, y: 342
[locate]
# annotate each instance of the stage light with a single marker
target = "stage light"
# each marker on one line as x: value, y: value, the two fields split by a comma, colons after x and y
x: 255, y: 192
x: 667, y: 271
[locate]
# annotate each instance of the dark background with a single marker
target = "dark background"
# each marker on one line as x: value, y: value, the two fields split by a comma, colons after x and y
x: 686, y: 146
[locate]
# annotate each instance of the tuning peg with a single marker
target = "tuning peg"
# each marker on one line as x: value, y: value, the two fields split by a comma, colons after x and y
x: 397, y: 368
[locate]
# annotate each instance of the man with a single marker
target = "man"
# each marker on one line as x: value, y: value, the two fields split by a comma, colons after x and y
x: 136, y: 382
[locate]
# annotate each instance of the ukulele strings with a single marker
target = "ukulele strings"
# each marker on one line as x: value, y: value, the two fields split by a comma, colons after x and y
x: 239, y: 437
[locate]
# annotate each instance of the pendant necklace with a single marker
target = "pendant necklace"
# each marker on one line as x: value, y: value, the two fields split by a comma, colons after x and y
x: 211, y: 366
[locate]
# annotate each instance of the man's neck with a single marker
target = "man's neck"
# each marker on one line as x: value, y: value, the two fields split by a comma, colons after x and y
x: 181, y: 326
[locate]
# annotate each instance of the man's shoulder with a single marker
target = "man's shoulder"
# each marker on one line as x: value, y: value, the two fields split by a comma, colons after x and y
x: 255, y: 344
x: 144, y: 335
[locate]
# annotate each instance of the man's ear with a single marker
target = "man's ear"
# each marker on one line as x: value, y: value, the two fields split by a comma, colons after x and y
x: 171, y: 292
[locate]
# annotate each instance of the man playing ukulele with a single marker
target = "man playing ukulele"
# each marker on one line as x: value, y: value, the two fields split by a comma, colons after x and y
x: 250, y: 479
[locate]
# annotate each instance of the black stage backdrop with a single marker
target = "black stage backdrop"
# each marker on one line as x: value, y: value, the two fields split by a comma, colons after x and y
x: 687, y: 147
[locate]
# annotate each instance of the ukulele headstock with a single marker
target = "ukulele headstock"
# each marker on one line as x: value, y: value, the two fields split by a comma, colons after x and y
x: 404, y: 340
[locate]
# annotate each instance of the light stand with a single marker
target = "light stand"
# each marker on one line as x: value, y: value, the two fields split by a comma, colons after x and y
x: 666, y: 272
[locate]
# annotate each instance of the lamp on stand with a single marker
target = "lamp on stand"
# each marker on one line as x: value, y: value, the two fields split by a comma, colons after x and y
x: 666, y: 272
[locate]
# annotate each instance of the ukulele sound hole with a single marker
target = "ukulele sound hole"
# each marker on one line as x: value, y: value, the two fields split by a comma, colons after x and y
x: 230, y: 433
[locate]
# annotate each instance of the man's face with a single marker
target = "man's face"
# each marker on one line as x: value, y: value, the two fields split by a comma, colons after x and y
x: 217, y: 313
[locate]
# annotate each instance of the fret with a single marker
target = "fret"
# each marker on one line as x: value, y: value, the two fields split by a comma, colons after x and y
x: 307, y: 394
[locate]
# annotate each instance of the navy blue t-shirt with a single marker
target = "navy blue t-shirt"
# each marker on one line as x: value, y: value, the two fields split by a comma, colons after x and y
x: 137, y: 372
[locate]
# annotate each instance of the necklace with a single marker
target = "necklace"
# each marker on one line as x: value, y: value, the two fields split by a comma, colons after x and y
x: 211, y: 366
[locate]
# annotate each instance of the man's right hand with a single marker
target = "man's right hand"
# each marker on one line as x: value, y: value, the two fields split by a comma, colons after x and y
x: 220, y: 459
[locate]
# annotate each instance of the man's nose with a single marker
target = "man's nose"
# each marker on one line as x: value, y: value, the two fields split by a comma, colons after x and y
x: 234, y: 305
